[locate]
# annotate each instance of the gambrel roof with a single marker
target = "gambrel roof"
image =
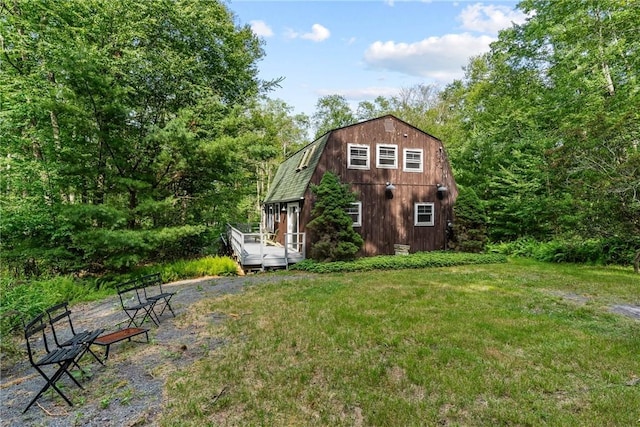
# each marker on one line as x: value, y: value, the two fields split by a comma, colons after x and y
x: 293, y: 175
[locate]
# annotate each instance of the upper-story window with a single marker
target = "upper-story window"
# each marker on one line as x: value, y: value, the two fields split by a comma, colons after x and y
x: 355, y: 212
x: 424, y: 214
x: 387, y: 156
x: 413, y: 160
x: 358, y: 156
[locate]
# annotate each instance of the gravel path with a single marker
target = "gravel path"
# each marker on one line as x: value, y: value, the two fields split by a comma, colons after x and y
x: 128, y: 390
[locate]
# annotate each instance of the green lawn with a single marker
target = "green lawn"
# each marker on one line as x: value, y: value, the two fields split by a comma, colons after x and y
x: 521, y: 343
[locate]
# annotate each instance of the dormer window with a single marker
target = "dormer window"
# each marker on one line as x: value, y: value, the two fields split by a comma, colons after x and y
x: 306, y: 158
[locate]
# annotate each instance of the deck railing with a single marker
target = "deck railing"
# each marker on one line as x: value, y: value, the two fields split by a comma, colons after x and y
x: 254, y: 249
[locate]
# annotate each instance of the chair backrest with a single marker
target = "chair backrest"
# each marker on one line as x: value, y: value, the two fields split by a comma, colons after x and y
x: 129, y: 290
x: 32, y: 332
x: 151, y: 280
x: 57, y: 314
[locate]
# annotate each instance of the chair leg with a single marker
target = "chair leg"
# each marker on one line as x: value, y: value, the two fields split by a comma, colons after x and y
x: 165, y: 306
x: 95, y: 356
x: 51, y: 382
x: 149, y: 313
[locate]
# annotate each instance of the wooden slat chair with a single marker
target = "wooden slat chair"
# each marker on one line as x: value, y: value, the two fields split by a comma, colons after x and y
x: 65, y: 335
x: 134, y: 305
x: 151, y: 285
x: 42, y: 357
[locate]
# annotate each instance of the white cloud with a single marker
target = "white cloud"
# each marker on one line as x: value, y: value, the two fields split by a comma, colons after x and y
x: 489, y: 18
x: 318, y: 33
x: 438, y: 58
x: 261, y: 29
x: 366, y: 93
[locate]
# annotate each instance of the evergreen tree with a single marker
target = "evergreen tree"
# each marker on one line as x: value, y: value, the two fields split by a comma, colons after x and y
x: 331, y: 226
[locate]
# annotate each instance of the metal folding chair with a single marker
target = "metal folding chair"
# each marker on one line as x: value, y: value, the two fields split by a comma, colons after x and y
x: 65, y: 335
x: 152, y: 290
x: 41, y: 358
x: 134, y: 305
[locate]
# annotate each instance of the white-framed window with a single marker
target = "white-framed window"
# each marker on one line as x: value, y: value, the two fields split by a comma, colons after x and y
x: 355, y: 212
x: 276, y: 213
x: 413, y: 160
x: 358, y: 156
x: 423, y: 215
x: 387, y: 156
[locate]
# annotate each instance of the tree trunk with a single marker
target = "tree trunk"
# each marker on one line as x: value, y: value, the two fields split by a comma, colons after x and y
x: 133, y: 203
x: 636, y: 263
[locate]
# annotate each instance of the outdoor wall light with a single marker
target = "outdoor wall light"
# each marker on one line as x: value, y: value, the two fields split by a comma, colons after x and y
x: 388, y: 191
x: 442, y: 189
x: 284, y: 208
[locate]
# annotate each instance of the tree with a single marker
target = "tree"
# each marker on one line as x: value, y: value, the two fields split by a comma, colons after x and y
x: 470, y: 223
x: 543, y: 126
x: 332, y: 228
x: 116, y: 120
x: 332, y: 112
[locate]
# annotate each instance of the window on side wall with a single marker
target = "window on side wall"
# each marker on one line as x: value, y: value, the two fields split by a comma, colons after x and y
x: 413, y: 160
x: 355, y: 212
x: 269, y: 215
x: 387, y: 156
x: 424, y: 215
x: 358, y: 157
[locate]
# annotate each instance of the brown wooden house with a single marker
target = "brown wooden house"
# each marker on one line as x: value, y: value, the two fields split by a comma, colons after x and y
x: 400, y: 174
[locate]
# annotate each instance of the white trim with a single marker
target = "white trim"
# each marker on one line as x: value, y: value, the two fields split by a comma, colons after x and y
x: 429, y: 223
x: 358, y: 222
x: 359, y: 157
x: 414, y: 150
x: 393, y: 147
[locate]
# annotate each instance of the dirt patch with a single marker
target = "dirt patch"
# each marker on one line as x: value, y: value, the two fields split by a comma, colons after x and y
x: 128, y: 390
x: 627, y: 310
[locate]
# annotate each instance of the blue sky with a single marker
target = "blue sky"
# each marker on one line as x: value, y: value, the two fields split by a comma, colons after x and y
x: 364, y: 49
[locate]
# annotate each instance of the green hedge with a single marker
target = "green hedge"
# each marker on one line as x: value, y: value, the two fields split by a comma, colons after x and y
x: 397, y: 262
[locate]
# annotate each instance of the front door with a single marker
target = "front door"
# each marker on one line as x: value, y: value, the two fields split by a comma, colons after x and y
x: 293, y: 226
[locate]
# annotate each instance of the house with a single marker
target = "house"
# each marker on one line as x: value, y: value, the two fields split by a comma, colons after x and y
x: 401, y: 177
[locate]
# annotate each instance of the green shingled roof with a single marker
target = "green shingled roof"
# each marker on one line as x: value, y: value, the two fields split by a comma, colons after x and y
x: 291, y: 181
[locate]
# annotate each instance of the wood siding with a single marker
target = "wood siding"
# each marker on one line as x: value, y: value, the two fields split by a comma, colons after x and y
x: 389, y: 221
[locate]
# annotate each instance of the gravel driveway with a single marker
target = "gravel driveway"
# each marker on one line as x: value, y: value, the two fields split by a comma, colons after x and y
x: 128, y: 390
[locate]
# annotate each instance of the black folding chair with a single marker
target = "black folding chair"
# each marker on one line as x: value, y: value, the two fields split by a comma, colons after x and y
x: 134, y: 305
x: 66, y: 336
x: 152, y: 289
x: 42, y: 357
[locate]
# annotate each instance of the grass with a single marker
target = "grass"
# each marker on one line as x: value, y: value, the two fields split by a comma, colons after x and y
x: 518, y: 343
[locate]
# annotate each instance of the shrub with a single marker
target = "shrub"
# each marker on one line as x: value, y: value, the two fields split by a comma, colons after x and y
x: 614, y: 250
x: 396, y: 262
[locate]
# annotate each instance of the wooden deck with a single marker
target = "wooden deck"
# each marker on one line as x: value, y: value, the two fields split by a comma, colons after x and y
x: 254, y: 250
